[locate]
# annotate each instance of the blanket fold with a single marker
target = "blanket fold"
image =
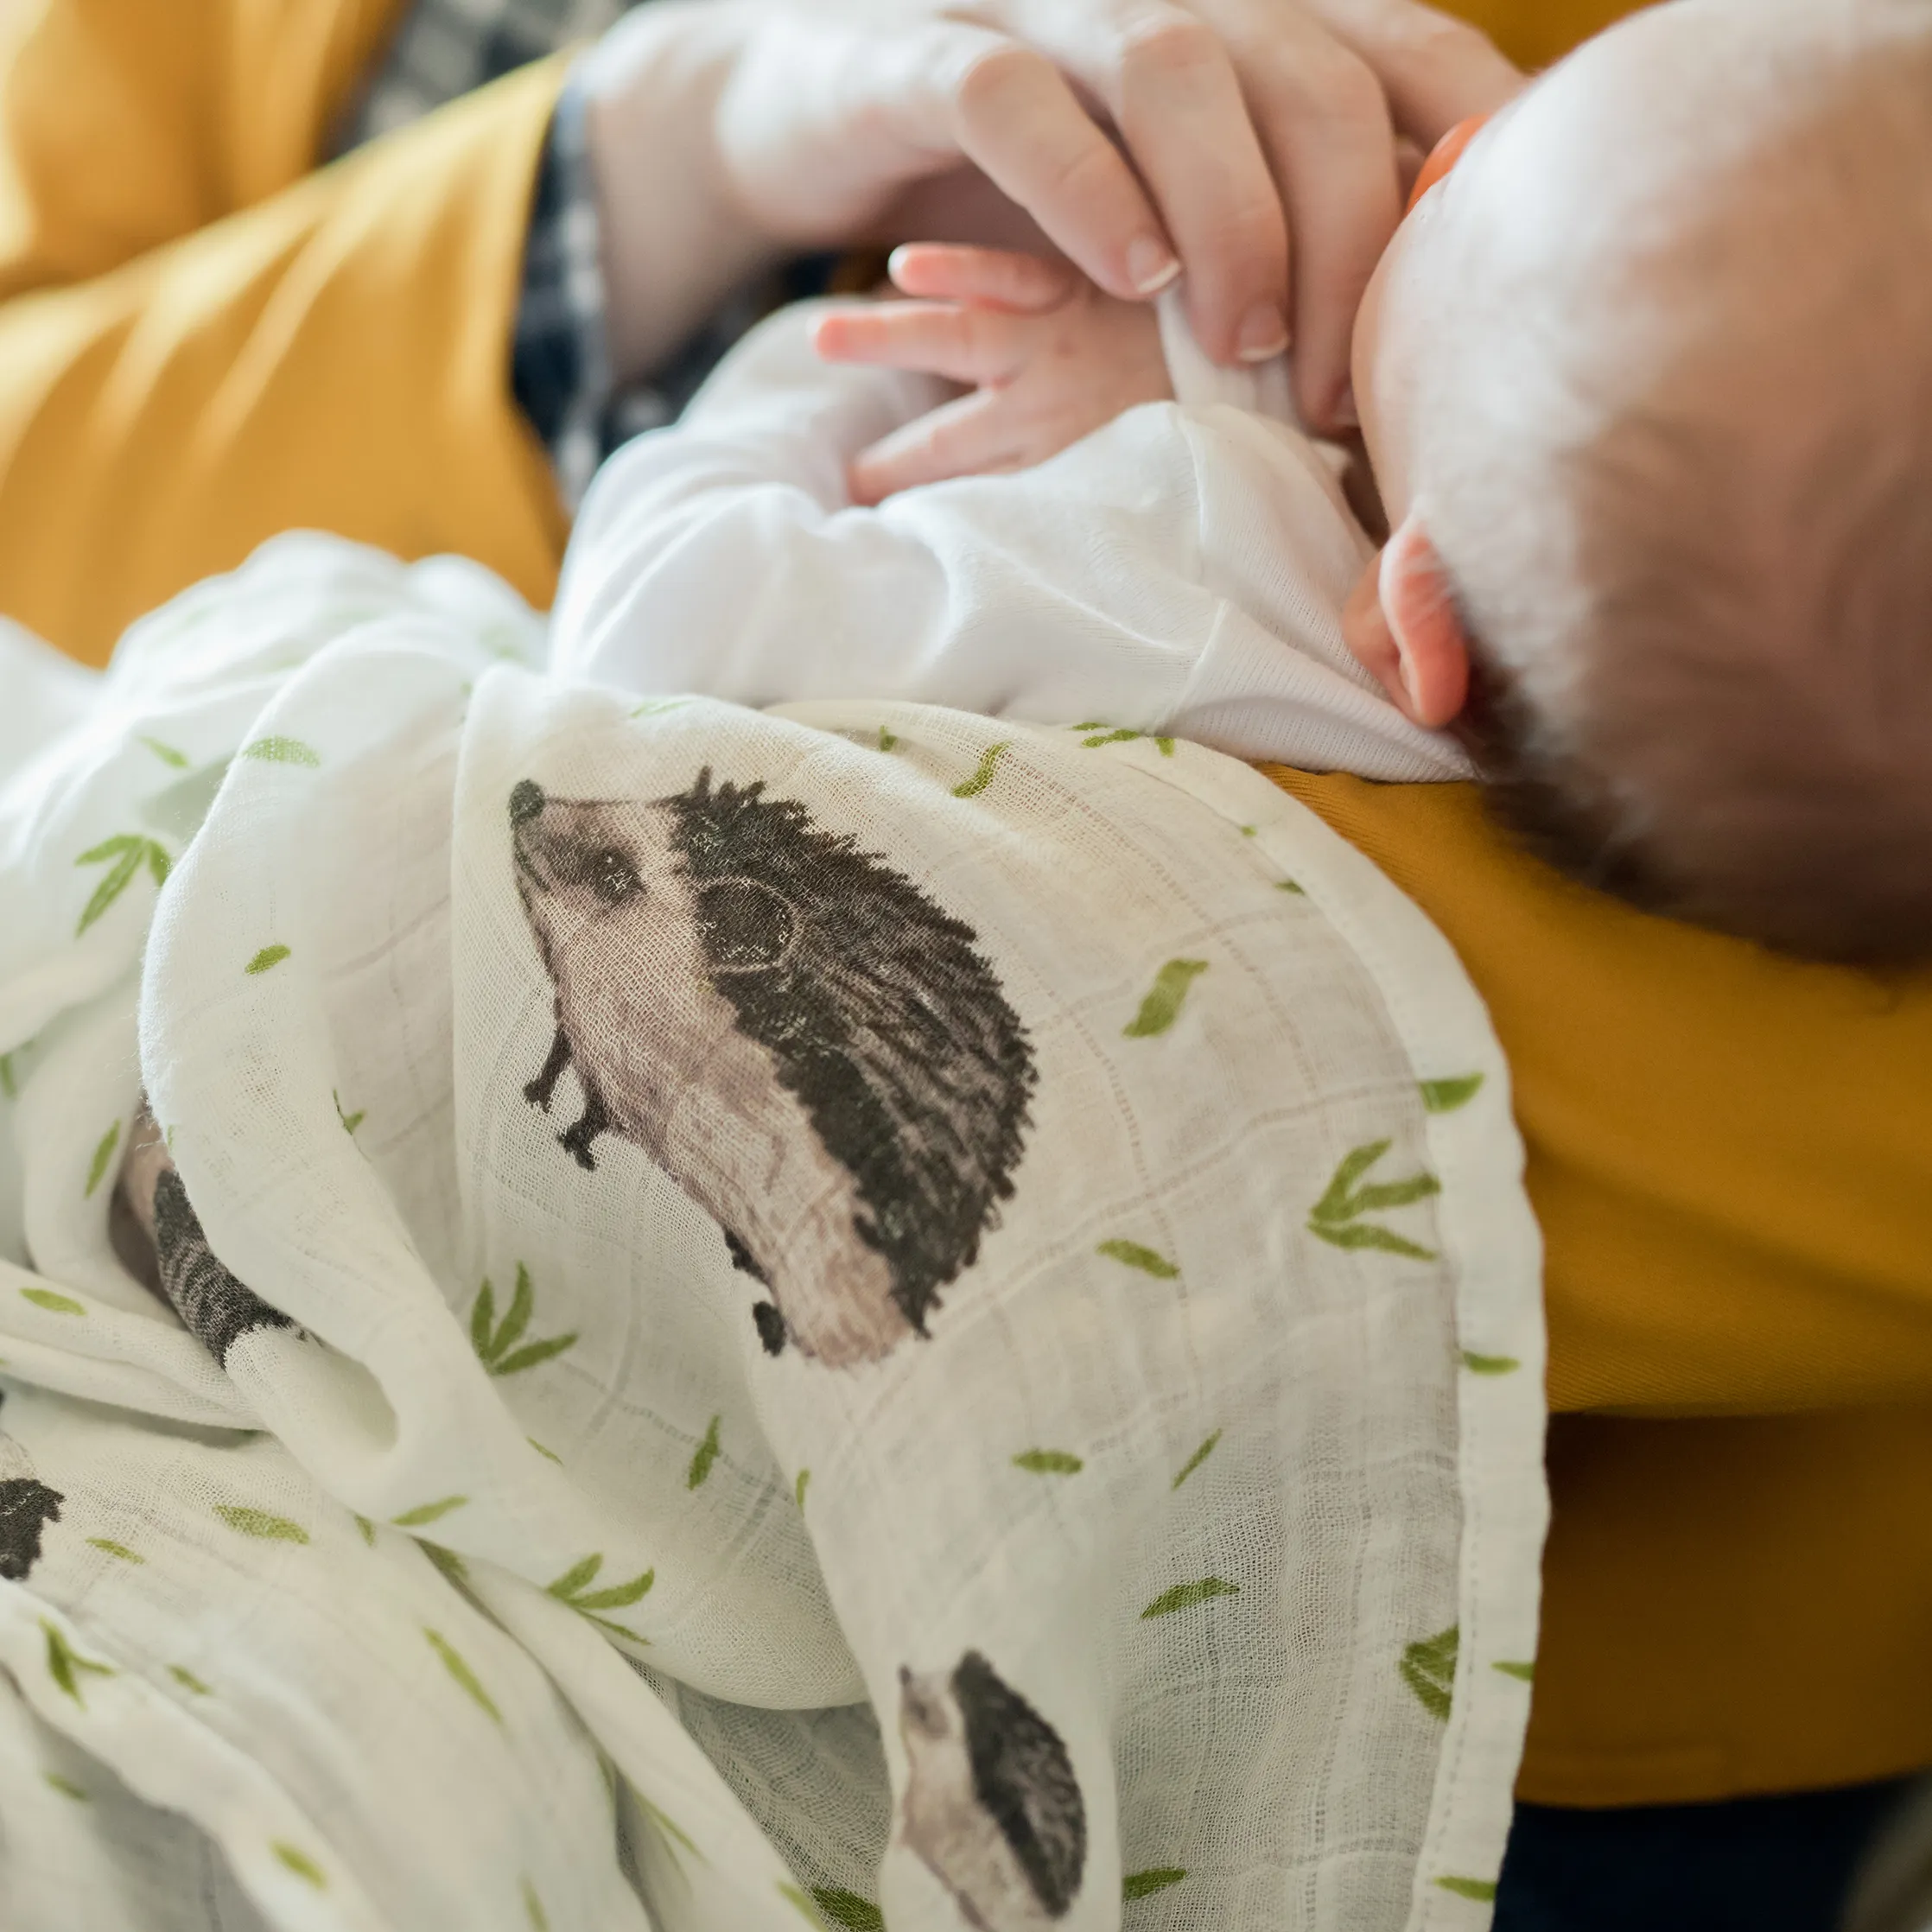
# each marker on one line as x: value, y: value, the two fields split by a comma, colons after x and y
x: 650, y: 1314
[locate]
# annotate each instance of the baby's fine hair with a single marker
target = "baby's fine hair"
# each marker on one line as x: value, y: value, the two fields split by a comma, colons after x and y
x: 1722, y: 710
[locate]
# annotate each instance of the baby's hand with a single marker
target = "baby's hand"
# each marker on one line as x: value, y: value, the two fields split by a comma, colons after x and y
x: 1046, y: 356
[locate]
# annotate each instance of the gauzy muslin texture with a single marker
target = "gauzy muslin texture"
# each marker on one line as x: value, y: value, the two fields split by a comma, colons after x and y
x: 841, y: 1315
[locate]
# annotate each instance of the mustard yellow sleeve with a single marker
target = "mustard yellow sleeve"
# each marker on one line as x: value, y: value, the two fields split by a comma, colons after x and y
x: 124, y: 124
x: 336, y: 356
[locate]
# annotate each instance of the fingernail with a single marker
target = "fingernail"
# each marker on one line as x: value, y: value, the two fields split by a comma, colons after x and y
x: 1346, y: 415
x: 1150, y: 264
x: 1264, y: 333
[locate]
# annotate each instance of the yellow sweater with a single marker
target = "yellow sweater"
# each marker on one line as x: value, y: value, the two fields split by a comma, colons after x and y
x: 202, y: 343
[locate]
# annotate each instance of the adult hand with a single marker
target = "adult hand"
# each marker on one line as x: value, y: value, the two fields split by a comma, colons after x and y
x: 1252, y: 143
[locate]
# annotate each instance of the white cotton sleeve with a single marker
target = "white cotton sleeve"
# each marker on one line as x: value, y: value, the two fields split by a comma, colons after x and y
x: 722, y: 556
x: 1260, y: 388
x: 1180, y: 571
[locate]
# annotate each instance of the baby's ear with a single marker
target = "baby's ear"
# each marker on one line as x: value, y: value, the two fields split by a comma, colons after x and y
x: 1402, y: 624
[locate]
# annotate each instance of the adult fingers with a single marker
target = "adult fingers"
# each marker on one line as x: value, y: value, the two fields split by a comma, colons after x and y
x: 1026, y: 284
x: 1170, y: 83
x: 1326, y: 126
x: 826, y: 121
x: 1178, y: 102
x: 1435, y: 70
x: 961, y: 345
x: 1017, y: 119
x: 963, y: 438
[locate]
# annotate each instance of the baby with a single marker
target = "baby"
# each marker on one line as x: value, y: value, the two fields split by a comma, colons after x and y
x: 1645, y: 389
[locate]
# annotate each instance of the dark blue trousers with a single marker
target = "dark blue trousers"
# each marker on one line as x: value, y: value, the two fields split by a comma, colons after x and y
x: 1750, y: 1865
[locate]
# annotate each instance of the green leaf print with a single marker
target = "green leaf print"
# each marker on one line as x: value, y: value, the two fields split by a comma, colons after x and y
x: 123, y: 856
x: 572, y: 1588
x: 1143, y: 1884
x: 798, y: 1488
x: 663, y: 1821
x: 54, y: 1301
x: 1445, y: 1096
x: 300, y: 1863
x: 1199, y: 1457
x: 112, y: 1548
x: 888, y: 738
x: 1483, y: 1890
x: 103, y: 1153
x: 454, y: 1663
x: 446, y: 1560
x: 807, y: 1911
x: 495, y: 1343
x: 1131, y: 1253
x: 672, y: 1839
x: 530, y: 1357
x: 66, y: 1787
x: 1523, y: 1673
x: 1161, y: 1008
x: 1184, y: 1596
x: 1048, y: 1462
x: 260, y: 1523
x: 350, y: 1121
x: 267, y: 959
x: 1490, y: 1364
x: 1370, y: 1234
x: 1335, y: 1218
x: 533, y: 1908
x: 707, y: 1455
x: 6, y: 1086
x: 1292, y: 885
x: 165, y: 754
x: 66, y: 1665
x: 429, y: 1512
x: 1428, y: 1668
x: 1118, y: 735
x: 983, y: 775
x: 847, y: 1909
x: 187, y: 1679
x: 282, y: 750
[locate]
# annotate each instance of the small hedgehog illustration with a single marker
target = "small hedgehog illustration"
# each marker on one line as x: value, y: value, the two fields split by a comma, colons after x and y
x: 818, y: 1054
x: 159, y: 1239
x: 992, y: 1806
x: 26, y: 1506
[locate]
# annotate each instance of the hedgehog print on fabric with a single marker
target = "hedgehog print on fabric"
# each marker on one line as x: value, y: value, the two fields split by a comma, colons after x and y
x: 159, y: 1238
x: 992, y: 1806
x: 26, y: 1506
x: 818, y: 1055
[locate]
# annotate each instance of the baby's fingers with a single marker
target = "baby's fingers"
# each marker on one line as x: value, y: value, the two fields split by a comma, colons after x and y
x: 963, y: 344
x: 998, y: 278
x: 966, y: 438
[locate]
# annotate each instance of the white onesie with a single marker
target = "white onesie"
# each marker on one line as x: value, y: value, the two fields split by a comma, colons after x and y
x: 1182, y: 570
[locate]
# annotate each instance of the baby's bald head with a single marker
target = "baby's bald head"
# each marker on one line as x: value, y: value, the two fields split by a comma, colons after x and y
x: 1671, y: 437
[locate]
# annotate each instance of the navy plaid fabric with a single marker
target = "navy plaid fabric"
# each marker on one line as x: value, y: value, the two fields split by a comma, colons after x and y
x: 559, y: 368
x: 559, y: 371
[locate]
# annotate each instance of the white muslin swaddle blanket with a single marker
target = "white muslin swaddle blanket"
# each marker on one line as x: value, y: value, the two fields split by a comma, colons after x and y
x: 621, y: 1315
